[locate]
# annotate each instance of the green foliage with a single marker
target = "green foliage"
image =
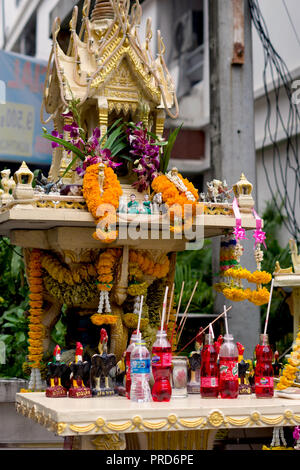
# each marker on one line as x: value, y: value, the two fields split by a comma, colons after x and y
x: 166, y: 155
x: 195, y: 266
x: 13, y: 307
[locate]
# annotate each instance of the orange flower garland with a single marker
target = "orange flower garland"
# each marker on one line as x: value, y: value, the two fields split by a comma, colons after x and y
x: 36, y: 329
x: 171, y: 195
x: 148, y: 266
x: 110, y: 198
x: 105, y: 268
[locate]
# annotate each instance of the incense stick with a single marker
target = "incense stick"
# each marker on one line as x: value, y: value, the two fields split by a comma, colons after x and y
x: 171, y: 303
x: 203, y: 330
x: 178, y: 310
x: 184, y: 317
x: 269, y: 306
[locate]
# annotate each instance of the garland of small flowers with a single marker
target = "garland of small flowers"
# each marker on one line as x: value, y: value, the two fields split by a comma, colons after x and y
x: 177, y: 198
x: 145, y: 265
x: 36, y: 329
x: 290, y: 369
x: 94, y: 199
x: 105, y: 269
x: 65, y: 275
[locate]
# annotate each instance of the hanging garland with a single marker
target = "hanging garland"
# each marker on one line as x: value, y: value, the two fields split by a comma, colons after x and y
x: 290, y: 369
x: 109, y: 198
x: 178, y: 193
x: 63, y: 274
x: 143, y: 264
x: 105, y: 269
x: 36, y: 329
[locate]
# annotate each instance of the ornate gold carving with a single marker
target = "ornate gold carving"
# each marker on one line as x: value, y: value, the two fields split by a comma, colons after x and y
x: 216, y: 418
x: 60, y: 427
x: 240, y: 422
x: 192, y: 424
x: 82, y: 429
x: 109, y: 442
x: 119, y: 427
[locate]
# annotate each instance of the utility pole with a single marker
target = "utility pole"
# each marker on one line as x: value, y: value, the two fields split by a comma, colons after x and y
x: 232, y: 134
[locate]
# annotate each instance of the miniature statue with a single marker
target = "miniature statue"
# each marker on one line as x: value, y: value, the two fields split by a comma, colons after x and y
x: 56, y: 370
x: 101, y: 364
x: 146, y: 207
x: 133, y: 205
x: 79, y: 370
x: 193, y: 385
x: 243, y: 366
x: 159, y: 206
x: 8, y: 185
x: 277, y: 366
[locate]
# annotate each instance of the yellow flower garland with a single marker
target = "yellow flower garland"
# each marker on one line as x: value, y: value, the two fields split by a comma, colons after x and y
x: 110, y: 198
x: 63, y: 274
x: 36, y: 328
x: 147, y: 266
x: 290, y: 369
x: 105, y: 268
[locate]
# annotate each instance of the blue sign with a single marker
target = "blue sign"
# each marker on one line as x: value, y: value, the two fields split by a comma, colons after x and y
x: 21, y: 90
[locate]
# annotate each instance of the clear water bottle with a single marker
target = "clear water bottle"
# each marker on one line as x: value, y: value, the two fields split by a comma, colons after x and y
x: 140, y: 373
x: 135, y: 337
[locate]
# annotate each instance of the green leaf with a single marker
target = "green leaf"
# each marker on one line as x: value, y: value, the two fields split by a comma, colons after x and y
x: 165, y: 158
x: 66, y: 144
x: 69, y: 166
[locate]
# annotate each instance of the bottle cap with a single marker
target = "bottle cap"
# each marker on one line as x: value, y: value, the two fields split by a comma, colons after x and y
x: 228, y: 337
x: 208, y: 338
x: 264, y: 338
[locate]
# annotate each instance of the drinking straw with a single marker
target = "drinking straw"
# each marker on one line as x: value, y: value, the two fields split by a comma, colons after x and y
x: 225, y: 319
x: 184, y: 347
x: 269, y: 305
x: 164, y: 309
x: 171, y: 303
x: 178, y: 309
x: 211, y: 331
x: 140, y: 314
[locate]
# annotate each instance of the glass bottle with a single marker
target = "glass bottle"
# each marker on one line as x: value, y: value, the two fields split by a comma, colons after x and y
x: 228, y: 364
x: 209, y: 374
x: 161, y: 367
x: 264, y: 373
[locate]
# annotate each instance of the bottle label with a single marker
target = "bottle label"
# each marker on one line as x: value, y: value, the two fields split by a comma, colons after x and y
x: 229, y: 370
x: 209, y: 382
x: 140, y: 366
x: 162, y: 359
x: 264, y: 382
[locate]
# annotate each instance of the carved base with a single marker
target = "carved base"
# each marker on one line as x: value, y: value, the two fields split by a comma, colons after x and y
x: 193, y: 387
x: 58, y: 391
x: 245, y: 389
x: 80, y: 392
x: 103, y: 392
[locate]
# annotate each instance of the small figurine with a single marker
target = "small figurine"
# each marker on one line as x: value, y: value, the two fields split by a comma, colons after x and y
x: 56, y: 370
x: 159, y: 206
x: 79, y: 370
x: 133, y: 205
x: 8, y: 184
x: 243, y: 366
x: 101, y: 364
x: 146, y: 207
x: 193, y: 385
x: 277, y: 366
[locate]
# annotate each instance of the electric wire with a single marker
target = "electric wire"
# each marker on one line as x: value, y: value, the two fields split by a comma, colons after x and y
x: 285, y: 188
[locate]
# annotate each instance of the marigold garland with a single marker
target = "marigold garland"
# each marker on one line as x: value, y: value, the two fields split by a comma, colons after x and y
x: 110, y: 198
x: 63, y: 274
x: 147, y: 266
x: 36, y: 329
x: 290, y: 369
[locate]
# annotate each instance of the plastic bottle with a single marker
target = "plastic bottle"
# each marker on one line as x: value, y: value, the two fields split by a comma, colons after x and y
x: 161, y: 367
x: 264, y: 373
x: 228, y: 363
x: 133, y: 340
x: 140, y: 373
x: 209, y: 372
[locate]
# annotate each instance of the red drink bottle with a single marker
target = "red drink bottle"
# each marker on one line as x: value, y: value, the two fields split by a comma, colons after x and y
x: 133, y: 340
x: 264, y: 374
x: 161, y: 367
x: 229, y: 378
x: 209, y: 372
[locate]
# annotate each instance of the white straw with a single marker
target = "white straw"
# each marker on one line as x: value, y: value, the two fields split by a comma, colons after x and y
x: 225, y: 318
x: 164, y: 309
x: 211, y: 331
x: 140, y: 314
x: 269, y: 305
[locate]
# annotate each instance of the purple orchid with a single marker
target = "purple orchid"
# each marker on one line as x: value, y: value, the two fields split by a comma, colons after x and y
x: 147, y: 153
x: 73, y: 129
x: 57, y: 135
